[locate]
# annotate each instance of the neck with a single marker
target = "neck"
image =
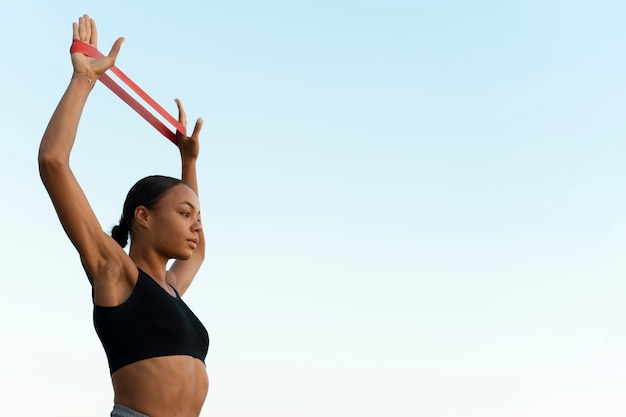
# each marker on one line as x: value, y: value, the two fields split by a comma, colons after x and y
x: 149, y: 262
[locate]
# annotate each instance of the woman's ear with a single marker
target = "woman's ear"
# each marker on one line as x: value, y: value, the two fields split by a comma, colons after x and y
x: 142, y: 216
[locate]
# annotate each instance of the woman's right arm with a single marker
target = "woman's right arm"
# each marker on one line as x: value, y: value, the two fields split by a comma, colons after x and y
x: 97, y: 250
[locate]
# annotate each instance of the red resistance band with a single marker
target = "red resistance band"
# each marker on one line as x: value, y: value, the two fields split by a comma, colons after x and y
x: 90, y: 51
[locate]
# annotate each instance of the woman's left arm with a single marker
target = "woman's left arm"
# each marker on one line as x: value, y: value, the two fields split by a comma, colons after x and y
x: 182, y: 272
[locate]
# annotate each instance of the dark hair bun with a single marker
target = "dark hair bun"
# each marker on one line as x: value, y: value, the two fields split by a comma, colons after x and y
x: 120, y: 234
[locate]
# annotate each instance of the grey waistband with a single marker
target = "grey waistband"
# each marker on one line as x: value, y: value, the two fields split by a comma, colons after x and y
x: 121, y: 411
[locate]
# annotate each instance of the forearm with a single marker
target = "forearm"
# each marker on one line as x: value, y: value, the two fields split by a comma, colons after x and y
x: 59, y: 137
x: 189, y: 173
x: 190, y: 177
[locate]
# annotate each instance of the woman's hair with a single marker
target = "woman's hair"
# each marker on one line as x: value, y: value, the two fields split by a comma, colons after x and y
x: 146, y: 192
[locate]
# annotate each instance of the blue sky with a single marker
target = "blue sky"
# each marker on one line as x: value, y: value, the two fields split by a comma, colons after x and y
x: 411, y: 208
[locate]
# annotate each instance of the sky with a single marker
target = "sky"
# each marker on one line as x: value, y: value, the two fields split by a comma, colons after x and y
x: 411, y: 208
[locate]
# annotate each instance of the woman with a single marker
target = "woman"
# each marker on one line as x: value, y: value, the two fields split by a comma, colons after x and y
x: 154, y: 344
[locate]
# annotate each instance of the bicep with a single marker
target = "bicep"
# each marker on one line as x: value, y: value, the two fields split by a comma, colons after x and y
x: 77, y: 217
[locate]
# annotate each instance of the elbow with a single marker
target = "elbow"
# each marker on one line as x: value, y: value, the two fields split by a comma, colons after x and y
x: 50, y: 163
x: 52, y: 153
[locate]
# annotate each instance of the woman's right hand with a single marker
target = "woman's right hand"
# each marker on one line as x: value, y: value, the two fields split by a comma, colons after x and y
x: 85, y: 30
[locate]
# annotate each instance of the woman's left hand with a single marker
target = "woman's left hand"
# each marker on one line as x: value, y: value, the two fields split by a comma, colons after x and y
x: 189, y: 146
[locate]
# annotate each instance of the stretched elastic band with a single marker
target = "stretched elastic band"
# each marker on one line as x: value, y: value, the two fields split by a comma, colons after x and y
x: 86, y: 49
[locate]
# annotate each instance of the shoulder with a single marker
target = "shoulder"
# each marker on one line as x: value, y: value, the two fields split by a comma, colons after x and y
x: 114, y: 280
x: 113, y: 264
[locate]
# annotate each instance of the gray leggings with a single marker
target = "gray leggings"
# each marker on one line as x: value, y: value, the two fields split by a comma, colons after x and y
x: 121, y: 411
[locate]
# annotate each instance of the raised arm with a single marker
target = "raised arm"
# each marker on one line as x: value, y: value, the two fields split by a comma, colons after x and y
x: 95, y: 247
x: 182, y: 273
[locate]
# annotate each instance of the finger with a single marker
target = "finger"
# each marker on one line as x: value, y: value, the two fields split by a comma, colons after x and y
x: 81, y: 28
x: 197, y: 128
x: 94, y: 33
x: 182, y: 116
x: 75, y: 34
x: 87, y: 29
x: 115, y: 49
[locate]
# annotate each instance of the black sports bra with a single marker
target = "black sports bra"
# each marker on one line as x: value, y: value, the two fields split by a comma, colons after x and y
x: 150, y: 323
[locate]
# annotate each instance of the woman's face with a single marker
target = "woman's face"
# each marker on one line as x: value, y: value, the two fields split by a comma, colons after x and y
x: 174, y: 223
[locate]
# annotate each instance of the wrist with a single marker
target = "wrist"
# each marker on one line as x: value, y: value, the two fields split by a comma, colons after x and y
x: 188, y: 160
x: 85, y: 77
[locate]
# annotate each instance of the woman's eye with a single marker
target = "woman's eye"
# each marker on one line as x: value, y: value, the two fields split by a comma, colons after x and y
x: 186, y: 213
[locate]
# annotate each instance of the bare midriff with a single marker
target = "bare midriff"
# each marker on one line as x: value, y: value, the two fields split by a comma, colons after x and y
x: 167, y: 386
